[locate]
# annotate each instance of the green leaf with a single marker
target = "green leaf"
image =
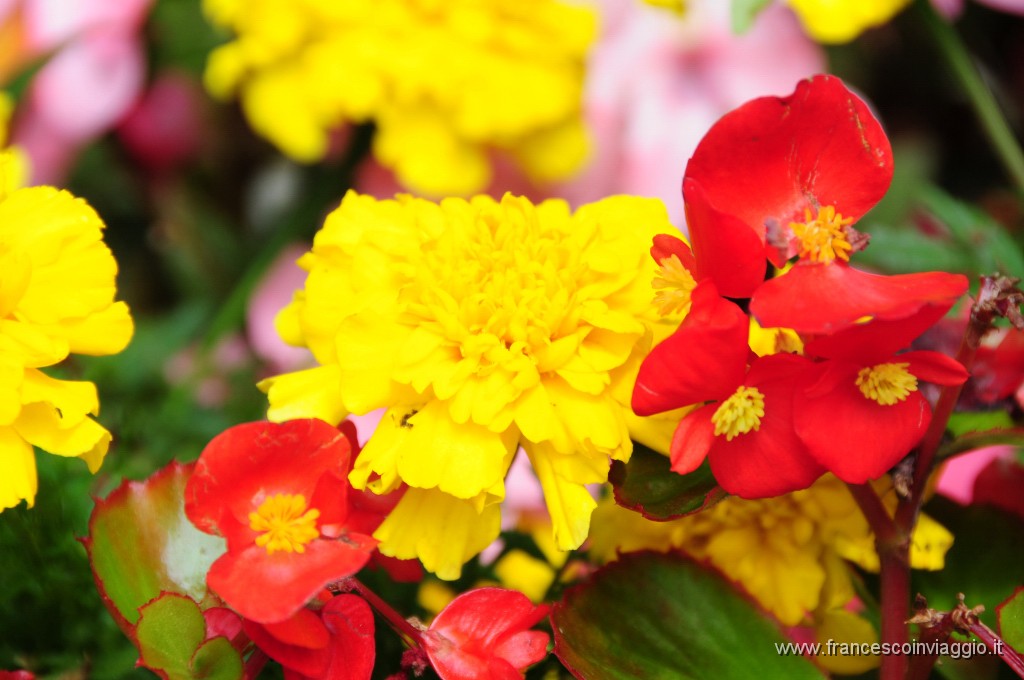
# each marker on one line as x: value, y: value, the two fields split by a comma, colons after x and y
x: 646, y: 484
x: 744, y: 13
x: 658, y: 616
x: 985, y: 570
x: 971, y: 441
x: 169, y: 630
x: 141, y: 544
x: 1011, y: 620
x: 978, y: 421
x: 171, y: 636
x: 216, y: 659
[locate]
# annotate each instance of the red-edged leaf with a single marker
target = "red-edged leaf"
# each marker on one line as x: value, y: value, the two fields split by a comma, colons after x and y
x: 654, y: 615
x: 141, y: 544
x: 172, y: 639
x: 1011, y: 620
x: 646, y: 485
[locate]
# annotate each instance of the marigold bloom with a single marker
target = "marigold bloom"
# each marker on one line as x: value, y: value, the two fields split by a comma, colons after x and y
x: 56, y: 298
x: 482, y: 326
x: 443, y: 82
x: 785, y: 551
x: 278, y: 493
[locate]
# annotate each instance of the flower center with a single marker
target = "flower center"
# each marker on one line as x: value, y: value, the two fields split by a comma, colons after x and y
x: 285, y: 523
x: 886, y: 383
x: 740, y: 413
x: 674, y: 284
x: 824, y: 238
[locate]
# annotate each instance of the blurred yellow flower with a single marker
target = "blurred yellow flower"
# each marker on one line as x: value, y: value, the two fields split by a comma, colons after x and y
x: 677, y: 6
x: 56, y: 298
x: 444, y: 82
x: 482, y: 326
x: 840, y: 21
x: 786, y: 551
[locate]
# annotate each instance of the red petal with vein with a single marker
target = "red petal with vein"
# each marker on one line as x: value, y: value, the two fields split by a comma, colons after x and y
x: 665, y: 246
x: 693, y: 439
x: 934, y: 367
x: 827, y: 298
x: 854, y: 437
x: 484, y: 635
x: 878, y: 339
x: 353, y: 649
x: 305, y: 647
x: 773, y: 157
x: 727, y: 250
x: 266, y: 587
x: 248, y: 463
x: 771, y: 460
x: 704, y: 360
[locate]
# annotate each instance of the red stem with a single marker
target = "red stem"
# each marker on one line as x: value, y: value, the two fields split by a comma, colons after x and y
x: 412, y: 635
x: 1005, y: 652
x: 895, y: 602
x: 875, y: 513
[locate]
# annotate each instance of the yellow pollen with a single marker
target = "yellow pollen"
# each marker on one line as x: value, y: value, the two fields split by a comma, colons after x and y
x: 673, y: 284
x: 823, y: 238
x: 886, y: 384
x: 740, y: 413
x: 286, y: 523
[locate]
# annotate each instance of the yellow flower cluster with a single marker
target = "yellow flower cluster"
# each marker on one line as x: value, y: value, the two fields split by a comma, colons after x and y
x: 444, y: 82
x: 787, y: 552
x: 481, y: 326
x: 56, y: 298
x: 840, y: 21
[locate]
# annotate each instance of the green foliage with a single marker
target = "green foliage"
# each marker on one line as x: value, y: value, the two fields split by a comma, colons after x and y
x: 647, y: 485
x: 744, y: 13
x: 1011, y: 620
x: 659, y: 616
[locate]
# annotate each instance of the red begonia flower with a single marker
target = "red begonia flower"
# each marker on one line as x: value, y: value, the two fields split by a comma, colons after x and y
x: 774, y: 158
x: 860, y: 410
x: 726, y: 250
x: 826, y: 298
x: 748, y: 437
x: 334, y: 642
x: 676, y: 372
x: 746, y: 431
x: 485, y: 634
x: 278, y: 492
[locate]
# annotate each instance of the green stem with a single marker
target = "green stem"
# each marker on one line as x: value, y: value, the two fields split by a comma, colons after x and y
x: 982, y: 100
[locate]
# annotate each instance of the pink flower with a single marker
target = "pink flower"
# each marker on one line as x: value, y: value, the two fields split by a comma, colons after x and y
x: 94, y: 75
x: 656, y: 85
x: 273, y: 294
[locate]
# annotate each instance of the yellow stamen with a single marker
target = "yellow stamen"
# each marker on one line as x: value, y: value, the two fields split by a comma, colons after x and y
x: 286, y: 523
x: 823, y: 238
x: 674, y: 284
x: 740, y: 413
x: 886, y: 384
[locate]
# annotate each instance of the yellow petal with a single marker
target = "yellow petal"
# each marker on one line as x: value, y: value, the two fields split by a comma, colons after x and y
x: 41, y: 425
x: 442, y: 531
x: 17, y: 470
x: 527, y: 574
x: 846, y: 628
x: 568, y: 501
x: 311, y: 393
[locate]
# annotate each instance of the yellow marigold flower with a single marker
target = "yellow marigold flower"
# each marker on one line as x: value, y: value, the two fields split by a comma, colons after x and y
x: 56, y: 298
x: 13, y: 161
x: 840, y: 21
x: 444, y: 82
x: 785, y: 551
x: 482, y: 326
x: 677, y: 6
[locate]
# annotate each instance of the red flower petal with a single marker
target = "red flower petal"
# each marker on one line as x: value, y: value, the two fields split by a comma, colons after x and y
x: 934, y: 367
x: 772, y: 460
x: 773, y: 157
x: 703, y: 360
x: 693, y: 439
x: 854, y: 437
x: 726, y: 249
x: 483, y: 635
x: 826, y: 298
x: 666, y: 246
x: 248, y: 463
x: 353, y: 648
x: 878, y: 339
x: 266, y: 588
x: 300, y: 644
